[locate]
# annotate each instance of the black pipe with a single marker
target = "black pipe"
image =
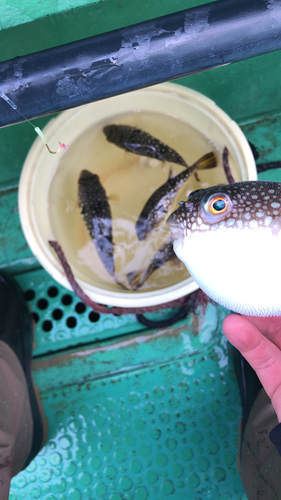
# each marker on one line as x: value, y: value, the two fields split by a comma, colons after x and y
x: 164, y: 323
x: 263, y: 167
x: 138, y: 56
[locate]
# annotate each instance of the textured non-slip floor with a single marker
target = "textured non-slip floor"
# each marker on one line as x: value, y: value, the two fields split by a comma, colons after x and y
x: 62, y: 320
x: 160, y: 420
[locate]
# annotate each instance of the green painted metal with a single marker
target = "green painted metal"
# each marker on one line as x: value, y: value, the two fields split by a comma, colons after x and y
x: 15, y: 143
x: 164, y: 424
x: 192, y: 336
x: 266, y: 134
x: 16, y: 12
x: 15, y: 253
x: 63, y: 321
x: 243, y: 90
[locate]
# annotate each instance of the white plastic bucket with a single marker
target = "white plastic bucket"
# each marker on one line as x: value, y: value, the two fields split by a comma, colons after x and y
x: 170, y: 99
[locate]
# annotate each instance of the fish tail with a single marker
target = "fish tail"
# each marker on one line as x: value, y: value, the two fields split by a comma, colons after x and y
x: 205, y: 162
x: 135, y: 279
x: 121, y: 284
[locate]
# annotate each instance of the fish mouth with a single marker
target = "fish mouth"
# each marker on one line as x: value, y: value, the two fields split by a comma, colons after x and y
x: 177, y: 218
x: 85, y: 175
x: 106, y: 130
x: 109, y: 132
x: 175, y: 226
x: 176, y: 232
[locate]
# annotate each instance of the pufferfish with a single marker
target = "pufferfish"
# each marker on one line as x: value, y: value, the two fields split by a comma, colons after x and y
x: 229, y: 238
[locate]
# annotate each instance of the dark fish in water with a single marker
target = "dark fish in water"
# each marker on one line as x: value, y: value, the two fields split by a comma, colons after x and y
x: 163, y: 255
x: 96, y: 213
x: 220, y: 235
x: 141, y: 143
x: 159, y: 202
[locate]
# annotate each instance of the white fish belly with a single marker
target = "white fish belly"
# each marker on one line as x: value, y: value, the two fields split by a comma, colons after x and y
x: 239, y: 269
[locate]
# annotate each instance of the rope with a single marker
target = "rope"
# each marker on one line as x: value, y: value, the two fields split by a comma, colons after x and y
x: 98, y: 307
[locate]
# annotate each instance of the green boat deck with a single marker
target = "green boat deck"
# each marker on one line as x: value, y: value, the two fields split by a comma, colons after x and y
x: 133, y: 413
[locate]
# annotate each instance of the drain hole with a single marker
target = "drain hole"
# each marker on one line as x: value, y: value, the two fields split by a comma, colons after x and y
x: 35, y: 317
x: 66, y: 299
x: 80, y: 308
x: 94, y: 317
x: 71, y: 322
x: 47, y: 325
x: 53, y: 291
x: 42, y: 304
x: 57, y: 314
x: 29, y: 295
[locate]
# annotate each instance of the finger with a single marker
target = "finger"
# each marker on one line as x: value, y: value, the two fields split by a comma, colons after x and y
x: 263, y: 356
x: 270, y: 327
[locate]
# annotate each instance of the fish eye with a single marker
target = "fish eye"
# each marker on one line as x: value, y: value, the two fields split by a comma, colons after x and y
x: 215, y: 207
x: 218, y: 205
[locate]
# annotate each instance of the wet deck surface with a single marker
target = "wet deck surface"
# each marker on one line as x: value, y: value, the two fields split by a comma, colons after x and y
x: 133, y: 413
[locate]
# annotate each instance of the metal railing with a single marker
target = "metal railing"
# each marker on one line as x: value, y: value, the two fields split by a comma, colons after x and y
x: 138, y: 56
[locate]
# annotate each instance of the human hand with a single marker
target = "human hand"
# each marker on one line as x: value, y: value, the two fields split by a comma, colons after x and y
x: 259, y: 341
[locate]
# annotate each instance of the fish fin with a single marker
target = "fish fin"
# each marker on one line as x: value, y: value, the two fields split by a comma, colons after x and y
x: 171, y: 174
x: 121, y: 284
x: 135, y: 279
x: 205, y: 162
x: 162, y: 209
x: 132, y: 148
x: 140, y: 149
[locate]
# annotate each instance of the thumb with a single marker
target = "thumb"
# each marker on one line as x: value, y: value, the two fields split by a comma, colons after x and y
x: 263, y: 356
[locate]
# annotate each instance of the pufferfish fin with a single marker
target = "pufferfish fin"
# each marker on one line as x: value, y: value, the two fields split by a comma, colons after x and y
x: 172, y: 174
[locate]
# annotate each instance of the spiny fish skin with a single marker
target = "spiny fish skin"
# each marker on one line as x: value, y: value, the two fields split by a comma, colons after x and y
x: 159, y: 202
x: 141, y: 143
x: 229, y: 238
x: 163, y: 255
x: 96, y: 213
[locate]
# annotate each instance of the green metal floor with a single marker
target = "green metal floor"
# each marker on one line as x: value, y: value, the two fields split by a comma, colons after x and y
x: 133, y: 414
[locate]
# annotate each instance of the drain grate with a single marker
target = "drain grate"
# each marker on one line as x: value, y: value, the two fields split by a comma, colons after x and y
x: 62, y: 320
x: 58, y: 313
